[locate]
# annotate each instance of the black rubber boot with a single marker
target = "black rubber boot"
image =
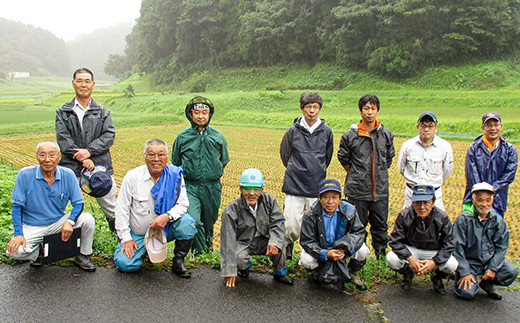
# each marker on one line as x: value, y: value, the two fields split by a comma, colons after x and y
x: 182, y: 247
x: 438, y: 285
x: 407, y: 277
x: 289, y: 251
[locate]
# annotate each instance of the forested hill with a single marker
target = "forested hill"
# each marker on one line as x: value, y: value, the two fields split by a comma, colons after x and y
x: 24, y: 48
x: 395, y: 39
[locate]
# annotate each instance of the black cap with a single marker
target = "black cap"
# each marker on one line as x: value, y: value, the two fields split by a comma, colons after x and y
x: 427, y: 114
x: 96, y: 183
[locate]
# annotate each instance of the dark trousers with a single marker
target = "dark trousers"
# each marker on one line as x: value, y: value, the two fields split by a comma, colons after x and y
x: 375, y: 213
x: 505, y: 276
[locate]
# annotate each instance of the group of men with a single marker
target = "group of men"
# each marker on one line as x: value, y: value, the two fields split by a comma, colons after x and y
x: 160, y: 202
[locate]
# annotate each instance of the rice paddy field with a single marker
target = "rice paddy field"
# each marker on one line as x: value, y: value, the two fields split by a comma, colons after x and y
x: 259, y: 148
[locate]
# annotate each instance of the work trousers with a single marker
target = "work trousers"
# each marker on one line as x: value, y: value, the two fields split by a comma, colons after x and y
x: 375, y: 213
x: 395, y: 263
x: 182, y: 229
x: 204, y: 201
x: 505, y: 276
x: 34, y: 236
x: 259, y: 247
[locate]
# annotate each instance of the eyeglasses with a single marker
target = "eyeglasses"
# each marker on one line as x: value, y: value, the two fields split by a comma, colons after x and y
x: 427, y: 125
x: 153, y: 156
x: 252, y: 190
x: 492, y: 125
x: 311, y: 107
x: 50, y: 156
x: 81, y: 81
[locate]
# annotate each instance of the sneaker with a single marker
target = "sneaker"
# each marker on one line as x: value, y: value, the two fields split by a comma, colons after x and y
x: 84, y: 263
x: 489, y: 288
x: 284, y: 279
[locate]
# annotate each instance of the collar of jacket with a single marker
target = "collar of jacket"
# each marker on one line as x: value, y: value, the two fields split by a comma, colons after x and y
x: 244, y: 205
x: 299, y: 126
x: 361, y: 131
x: 93, y: 105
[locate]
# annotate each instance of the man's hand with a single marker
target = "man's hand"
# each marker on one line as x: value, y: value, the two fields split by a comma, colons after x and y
x: 88, y: 164
x: 489, y: 274
x: 81, y: 154
x: 466, y: 282
x: 336, y: 254
x: 272, y: 250
x: 415, y: 264
x: 66, y: 231
x: 15, y: 243
x: 230, y: 281
x: 159, y: 222
x: 426, y: 266
x: 128, y: 248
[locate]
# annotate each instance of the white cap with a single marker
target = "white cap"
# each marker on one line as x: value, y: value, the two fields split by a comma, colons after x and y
x: 155, y: 243
x: 483, y: 187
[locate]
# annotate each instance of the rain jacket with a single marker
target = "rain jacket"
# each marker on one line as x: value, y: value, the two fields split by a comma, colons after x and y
x: 480, y: 242
x: 497, y: 168
x: 434, y: 233
x: 239, y: 227
x: 313, y: 238
x: 202, y: 156
x: 306, y: 157
x: 369, y: 157
x: 97, y: 135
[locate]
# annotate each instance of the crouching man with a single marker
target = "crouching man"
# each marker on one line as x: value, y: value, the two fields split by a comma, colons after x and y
x: 252, y: 224
x: 422, y: 239
x: 482, y: 242
x: 331, y: 233
x: 40, y: 196
x: 153, y: 195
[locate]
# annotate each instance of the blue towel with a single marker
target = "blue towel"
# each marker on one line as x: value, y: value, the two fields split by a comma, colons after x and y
x: 166, y: 190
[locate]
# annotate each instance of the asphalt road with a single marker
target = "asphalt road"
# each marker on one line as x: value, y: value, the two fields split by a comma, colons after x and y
x: 59, y: 294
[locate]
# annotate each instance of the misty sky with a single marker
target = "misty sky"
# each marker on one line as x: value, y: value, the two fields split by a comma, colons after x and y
x: 67, y: 18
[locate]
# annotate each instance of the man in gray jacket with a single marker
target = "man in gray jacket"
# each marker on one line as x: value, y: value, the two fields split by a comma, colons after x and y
x: 85, y: 132
x: 482, y: 242
x: 366, y: 151
x: 306, y: 151
x: 253, y: 224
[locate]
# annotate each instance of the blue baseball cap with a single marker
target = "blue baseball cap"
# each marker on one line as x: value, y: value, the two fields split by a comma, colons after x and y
x: 429, y: 115
x: 329, y: 185
x: 423, y: 193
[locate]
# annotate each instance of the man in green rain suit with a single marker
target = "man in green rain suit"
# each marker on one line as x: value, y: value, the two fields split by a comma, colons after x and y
x: 201, y: 151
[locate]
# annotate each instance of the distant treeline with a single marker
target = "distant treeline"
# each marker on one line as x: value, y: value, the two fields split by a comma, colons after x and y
x: 24, y: 48
x: 174, y: 38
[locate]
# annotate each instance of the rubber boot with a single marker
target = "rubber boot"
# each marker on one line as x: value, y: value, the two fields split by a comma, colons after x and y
x: 438, y: 285
x: 289, y: 251
x: 182, y: 247
x: 408, y: 274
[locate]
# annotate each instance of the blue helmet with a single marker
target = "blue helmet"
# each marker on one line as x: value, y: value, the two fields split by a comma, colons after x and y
x: 252, y: 177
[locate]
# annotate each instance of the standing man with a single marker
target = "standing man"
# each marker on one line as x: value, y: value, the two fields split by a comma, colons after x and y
x: 482, y: 242
x: 252, y: 224
x: 201, y: 150
x: 306, y: 151
x: 366, y: 151
x: 490, y: 158
x: 422, y: 240
x: 425, y: 159
x: 331, y: 233
x: 153, y: 196
x: 85, y: 132
x: 40, y: 196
